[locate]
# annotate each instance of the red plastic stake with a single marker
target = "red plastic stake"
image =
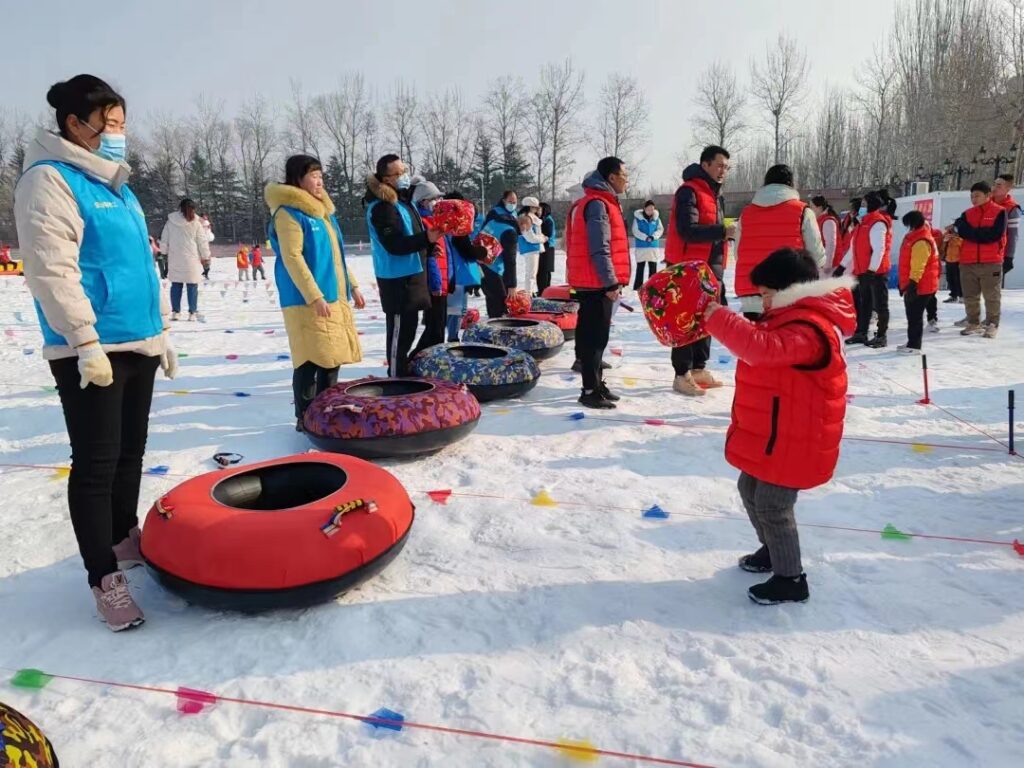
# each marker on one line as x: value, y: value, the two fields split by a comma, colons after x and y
x: 440, y: 496
x: 1018, y: 547
x: 655, y: 422
x: 924, y: 371
x: 192, y: 702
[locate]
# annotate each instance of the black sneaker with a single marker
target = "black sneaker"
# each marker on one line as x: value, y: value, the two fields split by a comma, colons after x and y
x: 595, y: 400
x: 780, y: 589
x: 759, y: 562
x: 950, y: 300
x: 577, y: 367
x: 878, y: 342
x: 607, y: 394
x: 858, y: 338
x: 298, y: 425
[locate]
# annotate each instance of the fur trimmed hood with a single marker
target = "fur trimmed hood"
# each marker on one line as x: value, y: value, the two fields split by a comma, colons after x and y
x: 277, y: 195
x: 376, y: 189
x: 638, y: 214
x: 813, y: 289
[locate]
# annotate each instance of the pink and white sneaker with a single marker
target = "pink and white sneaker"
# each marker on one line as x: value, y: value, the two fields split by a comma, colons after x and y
x: 115, y: 603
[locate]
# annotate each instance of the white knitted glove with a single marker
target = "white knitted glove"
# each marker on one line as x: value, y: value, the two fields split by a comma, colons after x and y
x: 169, y: 359
x: 94, y: 366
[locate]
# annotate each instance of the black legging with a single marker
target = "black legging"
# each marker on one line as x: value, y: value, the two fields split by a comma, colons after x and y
x: 638, y: 281
x: 435, y: 321
x: 108, y: 427
x: 872, y: 296
x: 308, y: 381
x: 494, y: 293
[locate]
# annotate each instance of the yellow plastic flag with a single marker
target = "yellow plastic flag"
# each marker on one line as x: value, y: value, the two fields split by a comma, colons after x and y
x: 61, y: 473
x: 921, y: 448
x: 543, y: 499
x: 501, y: 411
x: 628, y: 382
x: 578, y: 751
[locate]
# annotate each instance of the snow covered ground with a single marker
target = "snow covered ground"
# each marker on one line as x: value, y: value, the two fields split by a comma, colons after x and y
x: 583, y: 622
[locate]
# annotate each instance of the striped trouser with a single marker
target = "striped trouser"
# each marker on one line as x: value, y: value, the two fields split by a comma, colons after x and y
x: 770, y: 509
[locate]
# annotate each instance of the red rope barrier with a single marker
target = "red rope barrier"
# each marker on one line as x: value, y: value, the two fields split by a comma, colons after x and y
x: 580, y: 750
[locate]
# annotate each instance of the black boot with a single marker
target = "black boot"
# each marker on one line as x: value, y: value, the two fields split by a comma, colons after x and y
x: 780, y: 589
x: 577, y: 367
x: 593, y: 399
x: 299, y: 426
x: 607, y: 394
x: 758, y: 562
x: 878, y: 342
x: 858, y: 338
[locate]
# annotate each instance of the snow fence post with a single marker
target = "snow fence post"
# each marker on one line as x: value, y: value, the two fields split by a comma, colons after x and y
x: 1010, y: 397
x: 924, y: 372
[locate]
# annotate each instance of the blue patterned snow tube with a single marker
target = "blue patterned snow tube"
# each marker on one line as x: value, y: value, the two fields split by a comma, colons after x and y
x: 490, y: 372
x: 537, y: 304
x: 541, y: 339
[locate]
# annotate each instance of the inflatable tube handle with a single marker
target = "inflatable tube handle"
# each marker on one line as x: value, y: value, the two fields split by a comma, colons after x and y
x: 334, y: 521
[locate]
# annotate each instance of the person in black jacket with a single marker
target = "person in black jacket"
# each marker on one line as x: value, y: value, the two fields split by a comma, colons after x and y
x: 504, y: 212
x: 400, y: 245
x: 547, y: 255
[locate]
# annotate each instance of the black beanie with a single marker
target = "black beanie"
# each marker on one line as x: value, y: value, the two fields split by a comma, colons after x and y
x: 783, y: 268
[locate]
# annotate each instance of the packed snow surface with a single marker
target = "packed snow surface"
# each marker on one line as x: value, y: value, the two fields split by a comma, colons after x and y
x: 579, y: 621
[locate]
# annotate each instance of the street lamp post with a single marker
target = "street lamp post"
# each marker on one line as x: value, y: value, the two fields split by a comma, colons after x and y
x: 999, y: 158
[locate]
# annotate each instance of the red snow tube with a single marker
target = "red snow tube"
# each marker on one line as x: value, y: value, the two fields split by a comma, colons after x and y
x: 563, y: 292
x: 283, y: 533
x: 564, y: 320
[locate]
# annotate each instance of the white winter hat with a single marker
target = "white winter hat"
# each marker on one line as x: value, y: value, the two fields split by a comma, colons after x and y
x: 425, y: 190
x: 530, y: 202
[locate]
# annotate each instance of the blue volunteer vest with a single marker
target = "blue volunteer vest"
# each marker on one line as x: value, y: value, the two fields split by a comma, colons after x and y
x: 388, y: 265
x: 118, y: 274
x: 648, y: 228
x: 554, y: 230
x: 496, y: 228
x: 466, y: 272
x: 316, y: 252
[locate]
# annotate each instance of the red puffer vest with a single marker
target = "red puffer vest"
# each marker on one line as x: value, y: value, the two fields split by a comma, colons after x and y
x: 787, y: 421
x: 929, y: 282
x: 764, y: 229
x: 580, y: 272
x: 440, y: 252
x: 983, y: 253
x: 678, y: 250
x: 837, y: 257
x: 862, y: 244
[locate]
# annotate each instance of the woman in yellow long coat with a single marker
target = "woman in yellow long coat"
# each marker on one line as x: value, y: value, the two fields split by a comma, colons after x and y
x: 313, y: 280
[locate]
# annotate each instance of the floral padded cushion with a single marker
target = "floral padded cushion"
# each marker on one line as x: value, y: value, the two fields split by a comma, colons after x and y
x: 453, y: 217
x: 517, y: 303
x: 674, y: 301
x: 552, y: 305
x: 530, y: 337
x: 439, y: 362
x: 339, y: 414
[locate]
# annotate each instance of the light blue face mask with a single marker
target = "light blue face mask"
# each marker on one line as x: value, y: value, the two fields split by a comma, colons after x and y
x: 113, y: 146
x: 404, y: 181
x: 862, y: 212
x: 510, y: 207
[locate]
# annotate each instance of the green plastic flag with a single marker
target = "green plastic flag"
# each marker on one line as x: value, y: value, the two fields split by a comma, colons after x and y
x: 892, y: 532
x: 30, y: 678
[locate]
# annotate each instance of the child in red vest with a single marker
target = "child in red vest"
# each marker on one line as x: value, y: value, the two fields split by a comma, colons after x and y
x: 789, y: 406
x: 256, y: 259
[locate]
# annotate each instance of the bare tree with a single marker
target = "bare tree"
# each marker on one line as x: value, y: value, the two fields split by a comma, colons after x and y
x: 400, y: 121
x: 720, y: 103
x: 446, y: 126
x: 343, y: 117
x: 539, y: 137
x: 258, y: 138
x: 303, y: 133
x: 175, y: 141
x: 623, y: 112
x: 507, y: 107
x: 778, y: 84
x: 561, y: 94
x: 829, y: 150
x: 877, y: 99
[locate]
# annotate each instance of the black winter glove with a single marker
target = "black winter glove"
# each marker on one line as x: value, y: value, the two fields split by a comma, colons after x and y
x: 1007, y: 264
x: 839, y: 271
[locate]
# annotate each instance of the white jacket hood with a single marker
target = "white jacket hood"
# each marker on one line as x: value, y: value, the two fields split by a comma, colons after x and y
x: 50, y: 146
x: 177, y: 219
x: 639, y: 214
x: 773, y: 194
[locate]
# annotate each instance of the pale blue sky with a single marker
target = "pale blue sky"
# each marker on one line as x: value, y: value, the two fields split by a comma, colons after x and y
x: 162, y: 55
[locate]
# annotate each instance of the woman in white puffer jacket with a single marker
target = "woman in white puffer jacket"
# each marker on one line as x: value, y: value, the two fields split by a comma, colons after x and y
x: 186, y: 243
